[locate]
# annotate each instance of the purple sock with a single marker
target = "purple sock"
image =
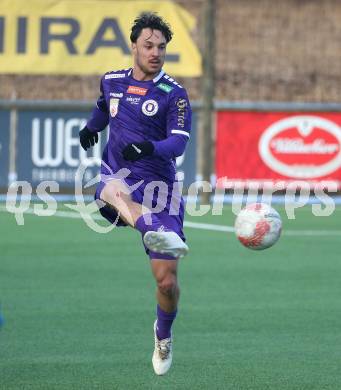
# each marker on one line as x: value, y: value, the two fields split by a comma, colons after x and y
x: 164, y: 323
x: 147, y: 223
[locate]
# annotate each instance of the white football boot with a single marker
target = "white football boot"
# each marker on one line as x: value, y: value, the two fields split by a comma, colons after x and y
x: 166, y: 242
x: 163, y: 354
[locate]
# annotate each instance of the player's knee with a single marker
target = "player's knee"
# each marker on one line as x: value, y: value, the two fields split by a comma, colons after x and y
x: 111, y: 193
x: 107, y: 192
x: 168, y: 285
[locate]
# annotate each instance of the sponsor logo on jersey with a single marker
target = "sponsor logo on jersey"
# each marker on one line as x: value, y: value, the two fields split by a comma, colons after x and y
x: 181, y: 104
x: 116, y: 94
x: 114, y: 107
x: 114, y: 76
x: 150, y: 107
x: 137, y: 90
x: 302, y: 146
x: 165, y: 87
x: 133, y: 100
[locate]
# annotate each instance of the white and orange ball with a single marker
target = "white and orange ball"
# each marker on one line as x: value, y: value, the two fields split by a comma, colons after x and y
x: 258, y: 226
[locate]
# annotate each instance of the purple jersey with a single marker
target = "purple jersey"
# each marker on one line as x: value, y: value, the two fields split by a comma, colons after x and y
x: 157, y: 110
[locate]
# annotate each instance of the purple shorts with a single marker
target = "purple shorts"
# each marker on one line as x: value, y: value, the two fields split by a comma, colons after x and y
x: 171, y: 216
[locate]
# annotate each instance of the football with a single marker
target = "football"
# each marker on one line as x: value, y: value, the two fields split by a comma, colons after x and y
x: 258, y: 226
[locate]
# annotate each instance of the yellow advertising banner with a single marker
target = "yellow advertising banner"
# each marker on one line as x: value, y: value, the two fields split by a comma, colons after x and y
x: 87, y: 36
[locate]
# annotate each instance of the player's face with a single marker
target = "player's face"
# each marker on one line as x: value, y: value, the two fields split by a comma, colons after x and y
x: 149, y: 51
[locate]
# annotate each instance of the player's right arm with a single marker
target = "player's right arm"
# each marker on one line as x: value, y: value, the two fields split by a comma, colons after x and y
x: 98, y: 121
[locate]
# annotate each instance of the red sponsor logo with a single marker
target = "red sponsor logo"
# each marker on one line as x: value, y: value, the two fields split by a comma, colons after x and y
x: 302, y: 146
x: 268, y: 148
x: 137, y: 90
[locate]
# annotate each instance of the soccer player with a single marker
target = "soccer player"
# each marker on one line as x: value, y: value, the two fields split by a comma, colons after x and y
x: 149, y: 117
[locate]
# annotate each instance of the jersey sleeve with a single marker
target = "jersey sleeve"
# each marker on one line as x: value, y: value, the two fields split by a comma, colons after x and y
x: 179, y: 117
x: 179, y: 120
x: 100, y: 114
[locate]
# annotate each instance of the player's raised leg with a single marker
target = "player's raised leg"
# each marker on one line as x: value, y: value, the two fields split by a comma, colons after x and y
x: 116, y: 194
x: 156, y: 236
x: 167, y: 294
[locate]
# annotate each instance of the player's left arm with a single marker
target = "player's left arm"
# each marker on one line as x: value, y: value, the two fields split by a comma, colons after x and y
x: 179, y: 122
x: 179, y: 119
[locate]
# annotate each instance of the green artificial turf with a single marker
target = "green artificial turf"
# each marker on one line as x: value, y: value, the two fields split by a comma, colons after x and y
x: 79, y: 308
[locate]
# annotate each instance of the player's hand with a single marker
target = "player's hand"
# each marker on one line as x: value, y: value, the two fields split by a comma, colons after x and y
x: 137, y: 150
x: 87, y: 138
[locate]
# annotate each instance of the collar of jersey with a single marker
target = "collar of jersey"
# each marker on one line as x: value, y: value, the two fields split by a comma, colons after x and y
x: 154, y: 80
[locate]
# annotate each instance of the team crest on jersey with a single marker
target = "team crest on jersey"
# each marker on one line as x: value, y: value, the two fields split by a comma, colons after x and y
x: 114, y: 107
x: 150, y: 107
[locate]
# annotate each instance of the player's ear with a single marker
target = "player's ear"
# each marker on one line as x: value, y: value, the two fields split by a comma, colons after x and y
x: 133, y: 47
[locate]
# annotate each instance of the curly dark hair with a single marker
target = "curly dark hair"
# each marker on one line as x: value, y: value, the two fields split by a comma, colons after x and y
x: 153, y: 21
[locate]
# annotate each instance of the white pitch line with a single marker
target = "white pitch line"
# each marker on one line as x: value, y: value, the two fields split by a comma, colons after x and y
x: 311, y: 233
x: 230, y: 229
x: 194, y: 225
x: 208, y: 226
